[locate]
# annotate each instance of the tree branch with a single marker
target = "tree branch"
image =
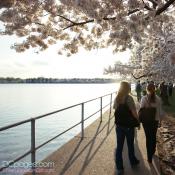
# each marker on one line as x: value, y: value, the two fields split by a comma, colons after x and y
x: 163, y: 8
x: 136, y: 10
x: 158, y: 12
x: 39, y: 23
x: 110, y: 18
x: 85, y: 22
x: 133, y: 11
x: 144, y: 75
x: 79, y: 23
x: 67, y: 19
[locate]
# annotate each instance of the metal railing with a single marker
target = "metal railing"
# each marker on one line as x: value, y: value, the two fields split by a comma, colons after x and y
x: 33, y: 149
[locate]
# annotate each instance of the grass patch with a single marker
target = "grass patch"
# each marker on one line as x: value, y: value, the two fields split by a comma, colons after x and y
x: 171, y: 109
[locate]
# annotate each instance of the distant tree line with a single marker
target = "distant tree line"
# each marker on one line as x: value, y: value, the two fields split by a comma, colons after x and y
x: 55, y: 80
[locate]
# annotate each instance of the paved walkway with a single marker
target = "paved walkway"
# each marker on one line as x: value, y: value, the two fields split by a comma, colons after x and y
x: 94, y: 155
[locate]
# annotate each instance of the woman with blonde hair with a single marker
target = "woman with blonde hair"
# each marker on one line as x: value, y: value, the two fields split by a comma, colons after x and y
x: 126, y: 119
x: 151, y: 118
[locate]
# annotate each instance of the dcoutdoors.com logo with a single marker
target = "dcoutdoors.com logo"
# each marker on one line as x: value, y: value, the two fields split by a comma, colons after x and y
x: 27, y: 167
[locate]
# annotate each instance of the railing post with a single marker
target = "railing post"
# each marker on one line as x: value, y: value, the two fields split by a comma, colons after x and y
x: 33, y: 156
x: 101, y: 110
x: 82, y: 120
x: 111, y: 104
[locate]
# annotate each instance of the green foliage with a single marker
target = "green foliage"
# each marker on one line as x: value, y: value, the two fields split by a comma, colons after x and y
x: 171, y: 109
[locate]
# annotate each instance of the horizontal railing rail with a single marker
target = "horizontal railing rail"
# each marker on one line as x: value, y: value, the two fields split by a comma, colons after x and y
x: 33, y: 149
x: 45, y: 115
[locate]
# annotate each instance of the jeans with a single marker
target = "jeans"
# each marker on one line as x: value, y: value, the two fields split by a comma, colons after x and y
x: 121, y: 133
x: 150, y: 133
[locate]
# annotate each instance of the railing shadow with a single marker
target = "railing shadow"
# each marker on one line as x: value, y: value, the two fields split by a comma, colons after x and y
x: 91, y: 152
x: 89, y: 146
x: 111, y: 115
x: 88, y: 157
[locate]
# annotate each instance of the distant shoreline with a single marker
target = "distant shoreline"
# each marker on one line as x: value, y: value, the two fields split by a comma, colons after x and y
x: 42, y: 80
x: 66, y: 83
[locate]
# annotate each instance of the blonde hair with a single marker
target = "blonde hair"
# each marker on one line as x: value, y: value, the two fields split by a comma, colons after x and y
x: 124, y: 90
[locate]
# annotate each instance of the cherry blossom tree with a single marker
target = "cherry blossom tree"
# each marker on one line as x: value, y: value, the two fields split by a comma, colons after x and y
x: 139, y: 25
x: 154, y: 58
x: 91, y: 24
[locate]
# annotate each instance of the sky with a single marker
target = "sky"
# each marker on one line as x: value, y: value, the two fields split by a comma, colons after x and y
x: 85, y: 64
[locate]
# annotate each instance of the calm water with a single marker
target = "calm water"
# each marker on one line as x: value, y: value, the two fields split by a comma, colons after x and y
x: 23, y: 101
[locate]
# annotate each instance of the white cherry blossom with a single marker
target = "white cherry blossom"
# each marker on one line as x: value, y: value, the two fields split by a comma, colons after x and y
x: 145, y: 27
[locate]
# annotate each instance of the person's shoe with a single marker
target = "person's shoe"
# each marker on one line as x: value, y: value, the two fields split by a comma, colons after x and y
x: 120, y: 172
x: 150, y: 161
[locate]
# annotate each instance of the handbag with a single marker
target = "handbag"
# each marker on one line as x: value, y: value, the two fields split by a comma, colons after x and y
x: 147, y: 114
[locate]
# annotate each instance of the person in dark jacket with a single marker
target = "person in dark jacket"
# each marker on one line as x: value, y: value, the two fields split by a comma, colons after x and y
x: 170, y: 89
x: 164, y: 93
x: 138, y: 90
x: 123, y: 129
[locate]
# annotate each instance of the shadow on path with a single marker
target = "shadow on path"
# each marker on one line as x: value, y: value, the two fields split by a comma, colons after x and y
x: 94, y: 154
x: 88, y: 147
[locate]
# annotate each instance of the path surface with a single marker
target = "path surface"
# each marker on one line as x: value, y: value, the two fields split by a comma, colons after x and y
x: 94, y: 155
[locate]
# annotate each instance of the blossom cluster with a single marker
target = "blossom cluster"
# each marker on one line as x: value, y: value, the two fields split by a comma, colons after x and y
x: 145, y: 27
